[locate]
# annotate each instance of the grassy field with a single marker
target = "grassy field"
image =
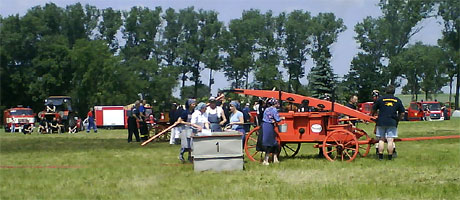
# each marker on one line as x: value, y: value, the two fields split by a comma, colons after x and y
x: 105, y: 166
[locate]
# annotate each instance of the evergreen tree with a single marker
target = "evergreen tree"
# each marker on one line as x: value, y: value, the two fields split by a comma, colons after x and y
x: 321, y: 79
x: 325, y: 30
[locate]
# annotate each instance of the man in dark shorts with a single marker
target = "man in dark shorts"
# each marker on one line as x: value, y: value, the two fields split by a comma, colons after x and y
x: 391, y: 110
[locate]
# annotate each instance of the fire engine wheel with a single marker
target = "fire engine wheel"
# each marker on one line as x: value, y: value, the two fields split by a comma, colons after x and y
x: 344, y: 145
x: 157, y: 129
x: 363, y: 148
x: 250, y: 146
x: 289, y: 149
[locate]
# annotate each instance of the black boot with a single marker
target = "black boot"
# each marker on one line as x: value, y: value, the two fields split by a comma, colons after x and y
x: 181, y: 157
x: 390, y: 156
x: 380, y: 156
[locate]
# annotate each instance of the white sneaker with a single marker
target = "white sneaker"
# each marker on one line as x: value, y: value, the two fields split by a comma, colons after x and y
x: 265, y: 163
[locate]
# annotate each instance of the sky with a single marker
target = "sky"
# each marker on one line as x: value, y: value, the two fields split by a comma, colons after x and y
x: 343, y: 51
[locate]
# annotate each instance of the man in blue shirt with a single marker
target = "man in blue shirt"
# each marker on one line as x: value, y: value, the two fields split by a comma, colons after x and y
x: 391, y: 110
x: 142, y: 124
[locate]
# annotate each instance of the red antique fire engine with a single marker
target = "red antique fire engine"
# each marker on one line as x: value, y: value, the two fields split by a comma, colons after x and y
x: 18, y: 117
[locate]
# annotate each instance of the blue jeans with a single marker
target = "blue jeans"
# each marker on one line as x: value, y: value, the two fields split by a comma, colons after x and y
x: 91, y: 124
x: 386, y: 132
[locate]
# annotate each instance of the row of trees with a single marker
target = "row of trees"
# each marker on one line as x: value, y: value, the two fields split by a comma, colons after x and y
x: 386, y: 56
x: 107, y: 56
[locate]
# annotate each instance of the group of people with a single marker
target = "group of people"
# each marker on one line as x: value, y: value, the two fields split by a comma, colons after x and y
x: 47, y: 126
x: 137, y: 118
x: 220, y: 114
x: 25, y: 128
x: 198, y: 117
x: 390, y: 111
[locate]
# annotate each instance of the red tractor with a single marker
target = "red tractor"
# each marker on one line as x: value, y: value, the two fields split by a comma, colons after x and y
x: 59, y: 107
x: 17, y: 116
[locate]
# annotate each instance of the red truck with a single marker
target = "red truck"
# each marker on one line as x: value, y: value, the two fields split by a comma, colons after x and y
x: 365, y: 107
x: 426, y: 110
x: 117, y: 116
x: 417, y: 111
x: 110, y: 116
x: 17, y: 116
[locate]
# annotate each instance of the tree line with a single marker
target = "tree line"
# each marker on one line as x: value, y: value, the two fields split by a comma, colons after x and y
x: 107, y: 56
x: 386, y: 56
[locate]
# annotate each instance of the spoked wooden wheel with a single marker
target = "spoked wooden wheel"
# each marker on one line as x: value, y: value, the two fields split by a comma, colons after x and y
x: 363, y: 148
x: 250, y: 146
x: 289, y: 149
x: 344, y: 145
x: 157, y: 128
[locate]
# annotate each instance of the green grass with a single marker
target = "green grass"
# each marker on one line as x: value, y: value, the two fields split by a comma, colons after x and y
x: 110, y: 168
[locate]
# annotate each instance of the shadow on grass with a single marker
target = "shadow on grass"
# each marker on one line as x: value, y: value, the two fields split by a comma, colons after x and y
x: 63, y: 144
x: 304, y: 157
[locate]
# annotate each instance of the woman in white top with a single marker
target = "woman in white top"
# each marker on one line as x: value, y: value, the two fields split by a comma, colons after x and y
x: 216, y: 116
x: 200, y: 117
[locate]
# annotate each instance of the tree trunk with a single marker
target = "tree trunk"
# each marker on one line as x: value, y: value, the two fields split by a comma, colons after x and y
x: 237, y: 82
x: 289, y: 82
x: 247, y: 79
x: 210, y: 81
x: 451, y: 79
x: 196, y: 75
x: 183, y: 78
x: 458, y: 88
x: 297, y: 84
